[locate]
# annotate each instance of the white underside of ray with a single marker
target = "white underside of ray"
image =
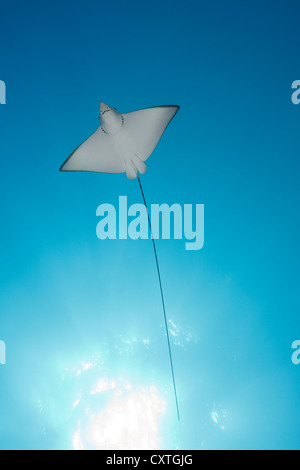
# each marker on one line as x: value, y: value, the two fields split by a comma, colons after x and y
x: 125, y: 150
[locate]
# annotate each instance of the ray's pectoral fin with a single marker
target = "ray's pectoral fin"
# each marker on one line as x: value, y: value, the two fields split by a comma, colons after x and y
x: 96, y: 154
x: 133, y: 165
x: 146, y: 127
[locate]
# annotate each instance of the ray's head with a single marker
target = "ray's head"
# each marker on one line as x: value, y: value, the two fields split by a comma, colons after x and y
x: 104, y: 108
x: 109, y: 117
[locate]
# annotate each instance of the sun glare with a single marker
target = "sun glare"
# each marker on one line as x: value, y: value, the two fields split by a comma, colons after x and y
x: 129, y: 421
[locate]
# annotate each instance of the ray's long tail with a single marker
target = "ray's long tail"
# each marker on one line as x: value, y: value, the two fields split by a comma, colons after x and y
x: 162, y: 299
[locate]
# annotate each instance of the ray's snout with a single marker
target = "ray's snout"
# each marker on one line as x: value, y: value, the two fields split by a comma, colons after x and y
x: 104, y: 108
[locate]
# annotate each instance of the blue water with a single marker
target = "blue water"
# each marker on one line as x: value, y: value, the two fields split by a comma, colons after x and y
x: 74, y: 309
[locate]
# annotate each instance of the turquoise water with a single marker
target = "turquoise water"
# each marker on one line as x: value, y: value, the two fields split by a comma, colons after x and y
x: 86, y: 355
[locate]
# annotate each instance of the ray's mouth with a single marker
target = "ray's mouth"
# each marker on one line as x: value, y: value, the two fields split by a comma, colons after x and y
x: 106, y: 111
